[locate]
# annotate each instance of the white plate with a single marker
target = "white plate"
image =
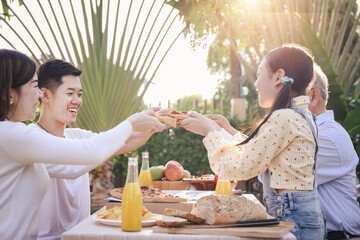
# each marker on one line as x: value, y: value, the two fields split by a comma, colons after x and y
x: 117, y: 223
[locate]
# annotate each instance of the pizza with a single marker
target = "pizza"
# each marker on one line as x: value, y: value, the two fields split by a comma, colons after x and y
x: 150, y: 194
x: 172, y: 117
x: 172, y: 122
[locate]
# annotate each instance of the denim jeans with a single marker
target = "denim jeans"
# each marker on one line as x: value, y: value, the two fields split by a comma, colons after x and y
x: 303, y: 208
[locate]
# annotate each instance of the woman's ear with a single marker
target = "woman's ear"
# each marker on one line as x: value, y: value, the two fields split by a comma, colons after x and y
x: 280, y: 73
x: 13, y: 96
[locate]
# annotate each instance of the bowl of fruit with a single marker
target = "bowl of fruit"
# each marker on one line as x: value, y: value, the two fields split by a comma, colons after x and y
x: 170, y: 176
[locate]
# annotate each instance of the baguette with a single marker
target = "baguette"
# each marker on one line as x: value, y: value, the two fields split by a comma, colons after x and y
x: 189, y: 216
x: 224, y: 209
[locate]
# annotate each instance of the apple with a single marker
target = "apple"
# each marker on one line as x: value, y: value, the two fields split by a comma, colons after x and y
x: 157, y: 172
x: 186, y: 174
x: 173, y: 171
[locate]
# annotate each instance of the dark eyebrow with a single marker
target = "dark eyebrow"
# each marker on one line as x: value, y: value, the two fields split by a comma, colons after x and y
x: 73, y: 89
x: 33, y: 81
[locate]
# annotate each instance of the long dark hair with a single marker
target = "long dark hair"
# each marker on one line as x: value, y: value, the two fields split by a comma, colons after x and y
x: 16, y: 69
x: 298, y: 64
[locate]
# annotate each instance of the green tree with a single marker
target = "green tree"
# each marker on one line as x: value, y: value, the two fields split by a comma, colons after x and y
x: 257, y: 29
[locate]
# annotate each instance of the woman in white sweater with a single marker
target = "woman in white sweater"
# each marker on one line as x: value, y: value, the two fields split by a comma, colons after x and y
x: 23, y: 150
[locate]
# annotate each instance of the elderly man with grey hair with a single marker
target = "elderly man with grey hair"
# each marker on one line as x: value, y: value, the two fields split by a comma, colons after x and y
x: 336, y: 166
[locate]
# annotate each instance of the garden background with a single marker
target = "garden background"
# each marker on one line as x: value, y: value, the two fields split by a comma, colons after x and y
x: 118, y: 55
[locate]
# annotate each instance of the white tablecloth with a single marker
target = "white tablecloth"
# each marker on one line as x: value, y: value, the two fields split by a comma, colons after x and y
x: 89, y: 229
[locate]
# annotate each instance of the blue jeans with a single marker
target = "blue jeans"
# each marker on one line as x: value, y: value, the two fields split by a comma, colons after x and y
x: 303, y: 208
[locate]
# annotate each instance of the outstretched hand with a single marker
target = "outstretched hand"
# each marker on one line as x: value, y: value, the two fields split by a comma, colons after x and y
x: 222, y: 122
x: 146, y: 122
x: 197, y: 124
x: 151, y: 111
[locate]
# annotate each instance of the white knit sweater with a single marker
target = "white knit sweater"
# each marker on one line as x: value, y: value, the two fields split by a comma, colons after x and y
x: 23, y: 176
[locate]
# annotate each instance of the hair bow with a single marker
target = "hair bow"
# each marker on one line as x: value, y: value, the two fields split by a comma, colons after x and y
x: 285, y: 80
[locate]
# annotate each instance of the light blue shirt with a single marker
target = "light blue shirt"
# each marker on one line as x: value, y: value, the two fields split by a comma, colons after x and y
x: 336, y: 177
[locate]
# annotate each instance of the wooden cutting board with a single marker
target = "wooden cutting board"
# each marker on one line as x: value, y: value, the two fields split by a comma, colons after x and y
x: 274, y: 231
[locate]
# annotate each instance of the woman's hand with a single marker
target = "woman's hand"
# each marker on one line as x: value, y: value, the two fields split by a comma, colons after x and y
x: 197, y: 124
x: 146, y: 122
x: 151, y: 111
x: 223, y: 123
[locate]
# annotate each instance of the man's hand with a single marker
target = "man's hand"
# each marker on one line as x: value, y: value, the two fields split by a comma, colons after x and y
x: 146, y: 122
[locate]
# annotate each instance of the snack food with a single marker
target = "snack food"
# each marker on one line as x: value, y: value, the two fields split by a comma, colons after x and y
x: 172, y: 122
x: 168, y: 221
x: 115, y: 214
x: 150, y: 194
x: 188, y: 216
x: 224, y: 209
x: 171, y: 118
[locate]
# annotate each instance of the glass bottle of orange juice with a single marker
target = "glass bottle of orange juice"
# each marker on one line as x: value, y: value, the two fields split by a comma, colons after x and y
x: 223, y: 185
x: 145, y: 176
x: 131, y: 200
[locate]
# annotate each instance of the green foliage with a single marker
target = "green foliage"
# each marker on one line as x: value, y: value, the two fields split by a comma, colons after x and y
x: 352, y: 125
x: 119, y: 167
x: 36, y: 117
x: 179, y: 145
x: 5, y: 7
x: 327, y: 28
x: 171, y: 144
x: 222, y: 98
x: 188, y: 103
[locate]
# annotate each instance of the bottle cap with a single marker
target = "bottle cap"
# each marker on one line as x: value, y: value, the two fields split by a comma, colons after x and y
x: 133, y: 160
x: 145, y: 155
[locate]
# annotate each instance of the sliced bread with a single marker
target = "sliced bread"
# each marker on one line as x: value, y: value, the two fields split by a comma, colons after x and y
x: 189, y: 216
x: 169, y: 221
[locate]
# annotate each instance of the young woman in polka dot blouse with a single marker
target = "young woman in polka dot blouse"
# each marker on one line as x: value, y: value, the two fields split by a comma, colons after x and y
x: 282, y: 148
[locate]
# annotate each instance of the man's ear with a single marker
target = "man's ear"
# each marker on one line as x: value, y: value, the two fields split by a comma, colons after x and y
x: 280, y: 73
x: 46, y: 95
x: 314, y: 95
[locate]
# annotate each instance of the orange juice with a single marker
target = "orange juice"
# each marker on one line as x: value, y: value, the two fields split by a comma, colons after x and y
x: 223, y: 187
x: 145, y: 178
x: 131, y: 208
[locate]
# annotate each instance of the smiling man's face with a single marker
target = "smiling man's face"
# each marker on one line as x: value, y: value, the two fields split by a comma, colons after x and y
x: 66, y: 101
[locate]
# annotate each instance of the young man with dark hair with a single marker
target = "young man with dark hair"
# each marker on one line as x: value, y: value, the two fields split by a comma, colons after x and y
x: 67, y: 200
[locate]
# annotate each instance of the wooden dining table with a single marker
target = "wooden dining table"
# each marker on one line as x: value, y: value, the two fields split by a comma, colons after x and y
x: 89, y: 229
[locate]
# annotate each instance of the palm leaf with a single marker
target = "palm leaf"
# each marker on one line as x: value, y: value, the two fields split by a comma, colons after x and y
x: 105, y: 43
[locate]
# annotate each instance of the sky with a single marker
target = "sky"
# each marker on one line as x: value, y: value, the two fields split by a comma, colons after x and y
x: 182, y: 73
